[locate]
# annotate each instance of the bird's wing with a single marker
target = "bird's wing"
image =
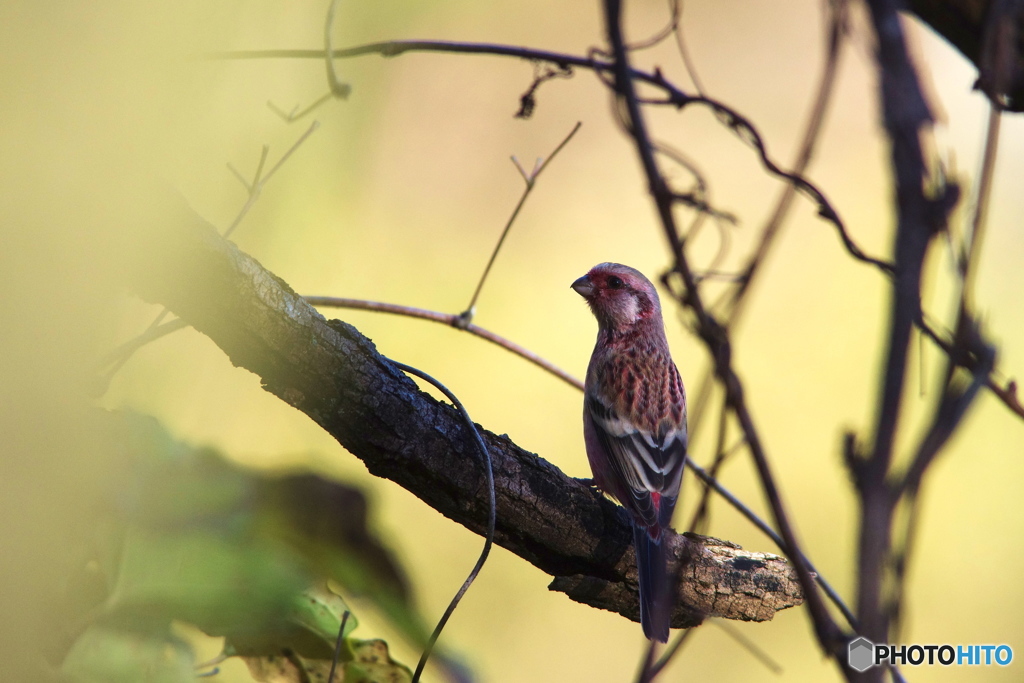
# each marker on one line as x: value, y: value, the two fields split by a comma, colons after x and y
x: 649, y: 465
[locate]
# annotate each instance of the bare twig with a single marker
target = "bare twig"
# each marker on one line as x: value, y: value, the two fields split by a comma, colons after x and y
x: 684, y: 52
x: 675, y: 647
x: 670, y: 652
x: 972, y: 249
x: 337, y: 646
x: 258, y: 183
x: 338, y: 89
x: 826, y: 86
x: 466, y: 317
x: 675, y: 12
x: 696, y: 199
x: 749, y: 645
x: 700, y: 516
x: 1007, y: 394
x: 124, y: 351
x: 952, y: 406
x: 259, y: 170
x: 541, y: 75
x: 999, y: 72
x: 953, y: 403
x: 451, y: 320
x: 768, y: 531
x: 211, y: 664
x: 674, y: 97
x: 294, y: 115
x: 646, y: 672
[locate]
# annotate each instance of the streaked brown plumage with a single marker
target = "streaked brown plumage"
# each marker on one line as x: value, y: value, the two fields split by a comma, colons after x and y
x: 634, y: 420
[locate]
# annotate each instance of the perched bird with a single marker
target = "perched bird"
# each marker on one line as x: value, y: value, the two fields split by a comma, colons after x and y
x: 634, y: 421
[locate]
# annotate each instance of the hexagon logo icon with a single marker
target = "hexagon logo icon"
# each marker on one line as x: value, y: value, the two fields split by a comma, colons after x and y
x: 861, y: 654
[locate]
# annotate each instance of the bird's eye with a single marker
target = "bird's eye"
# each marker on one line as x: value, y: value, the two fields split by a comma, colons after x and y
x: 615, y: 282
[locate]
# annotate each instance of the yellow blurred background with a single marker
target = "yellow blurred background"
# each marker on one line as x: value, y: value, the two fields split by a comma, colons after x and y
x: 399, y: 196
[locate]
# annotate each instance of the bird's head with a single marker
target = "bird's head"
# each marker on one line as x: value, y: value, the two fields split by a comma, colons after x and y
x: 619, y: 296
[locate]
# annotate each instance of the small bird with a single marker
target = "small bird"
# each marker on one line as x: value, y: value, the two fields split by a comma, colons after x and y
x: 634, y: 421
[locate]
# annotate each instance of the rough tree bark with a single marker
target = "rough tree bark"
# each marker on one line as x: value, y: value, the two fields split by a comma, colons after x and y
x: 334, y: 374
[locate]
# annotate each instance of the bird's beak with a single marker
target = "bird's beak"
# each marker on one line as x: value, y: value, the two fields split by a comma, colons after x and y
x: 584, y: 287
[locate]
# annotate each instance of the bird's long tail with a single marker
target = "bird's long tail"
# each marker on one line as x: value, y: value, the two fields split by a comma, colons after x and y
x: 651, y: 561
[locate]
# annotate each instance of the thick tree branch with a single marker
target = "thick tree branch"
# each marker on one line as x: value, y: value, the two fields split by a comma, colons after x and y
x: 331, y: 372
x: 906, y: 117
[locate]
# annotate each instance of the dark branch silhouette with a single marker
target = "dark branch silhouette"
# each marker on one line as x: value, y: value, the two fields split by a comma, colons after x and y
x: 674, y: 96
x: 964, y: 24
x: 710, y: 331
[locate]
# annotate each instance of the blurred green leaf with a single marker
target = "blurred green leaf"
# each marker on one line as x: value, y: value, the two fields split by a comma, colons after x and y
x: 218, y: 532
x: 310, y: 629
x: 105, y: 655
x: 326, y: 522
x: 189, y: 536
x: 220, y: 585
x: 322, y: 612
